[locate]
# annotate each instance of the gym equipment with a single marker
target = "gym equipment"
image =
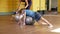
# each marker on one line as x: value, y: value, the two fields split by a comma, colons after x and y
x: 29, y: 21
x: 17, y: 17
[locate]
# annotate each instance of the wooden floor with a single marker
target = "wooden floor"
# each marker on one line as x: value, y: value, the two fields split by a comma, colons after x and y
x: 8, y: 26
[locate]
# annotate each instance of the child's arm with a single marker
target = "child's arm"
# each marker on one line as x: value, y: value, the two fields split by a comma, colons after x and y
x: 50, y: 25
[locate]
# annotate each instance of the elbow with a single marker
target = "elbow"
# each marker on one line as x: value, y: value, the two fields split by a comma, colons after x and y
x: 27, y: 4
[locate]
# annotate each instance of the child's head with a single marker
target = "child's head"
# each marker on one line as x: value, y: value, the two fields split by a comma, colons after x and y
x: 21, y: 10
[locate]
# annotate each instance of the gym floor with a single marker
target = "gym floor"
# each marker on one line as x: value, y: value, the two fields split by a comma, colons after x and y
x: 8, y: 26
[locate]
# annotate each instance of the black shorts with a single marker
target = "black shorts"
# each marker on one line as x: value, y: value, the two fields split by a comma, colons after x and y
x: 37, y: 16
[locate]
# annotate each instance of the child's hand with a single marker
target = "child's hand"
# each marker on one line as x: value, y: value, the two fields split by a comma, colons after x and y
x: 16, y: 12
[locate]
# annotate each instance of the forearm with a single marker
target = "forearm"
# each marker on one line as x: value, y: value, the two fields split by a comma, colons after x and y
x: 26, y: 3
x: 19, y: 5
x: 26, y: 6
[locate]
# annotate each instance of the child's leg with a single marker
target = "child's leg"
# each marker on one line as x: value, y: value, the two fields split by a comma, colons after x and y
x: 23, y: 20
x: 19, y: 22
x: 47, y: 22
x: 38, y: 18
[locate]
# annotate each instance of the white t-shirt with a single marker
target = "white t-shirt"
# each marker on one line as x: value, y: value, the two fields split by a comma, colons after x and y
x: 19, y: 16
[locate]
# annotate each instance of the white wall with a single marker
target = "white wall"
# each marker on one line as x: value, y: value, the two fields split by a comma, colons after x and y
x: 54, y: 3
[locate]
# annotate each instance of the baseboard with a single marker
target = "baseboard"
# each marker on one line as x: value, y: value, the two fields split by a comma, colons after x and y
x: 6, y: 13
x: 42, y: 12
x: 59, y: 13
x: 54, y: 9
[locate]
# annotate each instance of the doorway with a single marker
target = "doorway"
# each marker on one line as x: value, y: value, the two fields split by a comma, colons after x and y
x: 52, y: 6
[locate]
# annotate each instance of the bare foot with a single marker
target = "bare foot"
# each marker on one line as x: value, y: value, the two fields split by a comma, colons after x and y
x: 50, y: 26
x: 23, y: 23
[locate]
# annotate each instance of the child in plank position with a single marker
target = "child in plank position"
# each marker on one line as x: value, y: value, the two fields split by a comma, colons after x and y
x: 35, y: 15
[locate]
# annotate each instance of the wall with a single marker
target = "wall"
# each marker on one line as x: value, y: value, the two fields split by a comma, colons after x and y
x: 54, y: 3
x: 3, y: 5
x: 38, y: 5
x: 35, y: 4
x: 7, y: 6
x: 43, y: 4
x: 58, y: 5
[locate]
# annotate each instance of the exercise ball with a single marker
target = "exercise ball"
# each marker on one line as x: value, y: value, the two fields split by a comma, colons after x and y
x: 17, y: 18
x: 29, y: 21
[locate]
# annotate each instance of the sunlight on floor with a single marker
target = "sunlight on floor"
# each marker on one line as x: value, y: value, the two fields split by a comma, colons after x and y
x: 56, y: 30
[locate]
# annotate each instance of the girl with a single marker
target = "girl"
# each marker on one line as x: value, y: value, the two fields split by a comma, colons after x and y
x: 20, y: 17
x: 28, y: 4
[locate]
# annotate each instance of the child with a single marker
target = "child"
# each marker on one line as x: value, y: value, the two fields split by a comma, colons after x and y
x: 34, y: 15
x: 20, y: 17
x: 37, y: 17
